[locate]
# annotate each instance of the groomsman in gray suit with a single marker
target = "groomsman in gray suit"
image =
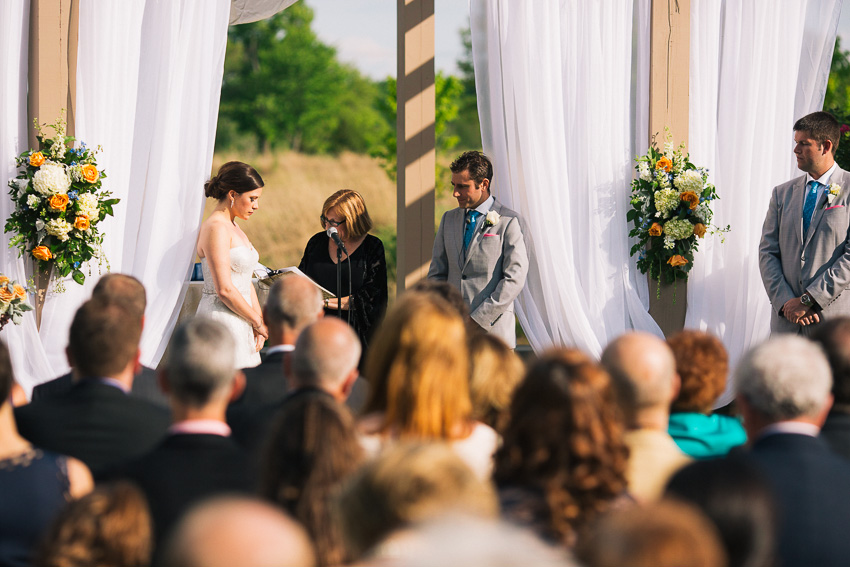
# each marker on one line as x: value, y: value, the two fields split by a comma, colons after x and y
x: 480, y: 249
x: 804, y: 254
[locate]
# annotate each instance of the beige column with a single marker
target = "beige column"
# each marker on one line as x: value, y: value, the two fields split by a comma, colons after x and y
x: 668, y: 108
x: 416, y: 140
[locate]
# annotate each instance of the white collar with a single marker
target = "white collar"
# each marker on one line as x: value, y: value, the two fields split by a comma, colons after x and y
x: 796, y: 427
x: 279, y: 348
x: 485, y: 207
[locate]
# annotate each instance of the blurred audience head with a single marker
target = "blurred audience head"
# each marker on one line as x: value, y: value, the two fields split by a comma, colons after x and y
x: 733, y: 495
x: 418, y: 366
x: 785, y: 378
x: 109, y: 526
x: 104, y: 338
x: 702, y: 365
x: 496, y: 372
x: 293, y: 303
x: 312, y: 447
x: 564, y: 435
x: 643, y: 371
x: 326, y: 357
x: 200, y: 367
x: 349, y: 204
x: 444, y: 290
x: 228, y: 531
x: 833, y: 335
x: 409, y: 483
x: 124, y: 289
x: 662, y: 534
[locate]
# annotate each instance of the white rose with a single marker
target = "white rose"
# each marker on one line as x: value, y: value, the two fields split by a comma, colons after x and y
x: 492, y: 218
x: 51, y: 179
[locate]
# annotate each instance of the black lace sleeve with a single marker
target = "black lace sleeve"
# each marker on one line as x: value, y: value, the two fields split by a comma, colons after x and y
x: 370, y: 301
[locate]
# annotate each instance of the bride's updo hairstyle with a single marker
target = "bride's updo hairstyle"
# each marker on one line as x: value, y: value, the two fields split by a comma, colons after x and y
x: 233, y: 176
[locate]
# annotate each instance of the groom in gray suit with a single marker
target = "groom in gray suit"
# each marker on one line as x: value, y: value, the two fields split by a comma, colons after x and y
x: 804, y: 254
x: 480, y: 250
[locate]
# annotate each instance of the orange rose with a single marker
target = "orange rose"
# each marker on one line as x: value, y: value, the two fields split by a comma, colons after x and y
x: 42, y: 253
x: 677, y: 260
x: 90, y: 173
x: 691, y: 198
x: 37, y: 159
x: 82, y: 223
x: 20, y: 292
x: 699, y: 229
x: 655, y: 229
x: 59, y: 201
x: 6, y: 294
x: 664, y: 163
x: 4, y: 280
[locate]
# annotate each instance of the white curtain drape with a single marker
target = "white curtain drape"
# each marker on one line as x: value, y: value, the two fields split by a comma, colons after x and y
x: 246, y: 11
x: 556, y: 95
x: 755, y: 68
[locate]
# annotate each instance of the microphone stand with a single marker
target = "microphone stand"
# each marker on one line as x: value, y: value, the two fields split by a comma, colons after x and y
x: 339, y: 280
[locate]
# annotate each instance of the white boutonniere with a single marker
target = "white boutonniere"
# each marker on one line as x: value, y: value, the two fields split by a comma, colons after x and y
x: 832, y: 192
x: 492, y: 218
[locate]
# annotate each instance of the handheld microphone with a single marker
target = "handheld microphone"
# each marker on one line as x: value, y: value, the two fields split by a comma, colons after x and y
x: 334, y: 233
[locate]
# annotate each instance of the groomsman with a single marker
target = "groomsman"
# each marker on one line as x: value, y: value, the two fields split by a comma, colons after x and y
x: 804, y: 254
x: 480, y: 249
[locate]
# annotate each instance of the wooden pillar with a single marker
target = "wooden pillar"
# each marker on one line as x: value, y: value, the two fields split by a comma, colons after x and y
x: 416, y: 139
x: 668, y: 108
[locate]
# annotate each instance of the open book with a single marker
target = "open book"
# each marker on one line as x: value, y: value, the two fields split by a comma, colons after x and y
x: 270, y: 276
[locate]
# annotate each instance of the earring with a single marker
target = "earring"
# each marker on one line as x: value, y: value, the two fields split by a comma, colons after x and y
x: 231, y: 202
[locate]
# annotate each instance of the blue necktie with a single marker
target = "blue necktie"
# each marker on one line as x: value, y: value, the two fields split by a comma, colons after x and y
x: 471, y: 221
x: 809, y: 206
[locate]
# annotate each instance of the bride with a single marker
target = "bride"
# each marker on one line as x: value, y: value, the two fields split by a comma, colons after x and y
x: 228, y: 260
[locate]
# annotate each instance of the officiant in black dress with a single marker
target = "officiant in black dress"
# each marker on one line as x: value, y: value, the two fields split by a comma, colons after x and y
x: 364, y: 303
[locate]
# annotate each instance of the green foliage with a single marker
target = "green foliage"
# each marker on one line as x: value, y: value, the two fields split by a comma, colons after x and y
x: 837, y: 98
x: 466, y: 127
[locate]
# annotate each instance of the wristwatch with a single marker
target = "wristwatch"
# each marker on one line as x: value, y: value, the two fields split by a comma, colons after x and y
x: 807, y: 300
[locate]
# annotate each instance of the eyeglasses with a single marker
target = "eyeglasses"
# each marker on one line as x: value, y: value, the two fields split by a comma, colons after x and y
x: 326, y: 220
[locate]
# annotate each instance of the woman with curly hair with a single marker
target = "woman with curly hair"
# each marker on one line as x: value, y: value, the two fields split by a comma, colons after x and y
x: 563, y: 459
x: 702, y: 365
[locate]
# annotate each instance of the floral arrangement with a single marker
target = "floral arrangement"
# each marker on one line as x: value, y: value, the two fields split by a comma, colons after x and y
x: 12, y: 301
x: 671, y: 208
x: 59, y: 202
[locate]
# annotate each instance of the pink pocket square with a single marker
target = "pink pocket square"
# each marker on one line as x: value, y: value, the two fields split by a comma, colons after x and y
x: 488, y: 234
x: 835, y: 207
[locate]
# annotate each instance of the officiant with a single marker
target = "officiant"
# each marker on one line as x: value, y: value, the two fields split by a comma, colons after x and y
x: 363, y: 302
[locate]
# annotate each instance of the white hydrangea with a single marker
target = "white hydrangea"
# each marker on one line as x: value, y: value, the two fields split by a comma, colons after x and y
x: 703, y: 212
x: 59, y: 228
x: 51, y: 179
x: 33, y: 201
x: 690, y: 180
x: 87, y: 205
x: 677, y: 229
x: 666, y: 200
x: 644, y: 172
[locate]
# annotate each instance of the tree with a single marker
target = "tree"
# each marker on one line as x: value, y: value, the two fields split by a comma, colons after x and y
x: 838, y: 86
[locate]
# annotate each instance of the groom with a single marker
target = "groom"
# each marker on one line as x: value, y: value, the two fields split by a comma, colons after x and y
x: 480, y: 250
x: 804, y: 254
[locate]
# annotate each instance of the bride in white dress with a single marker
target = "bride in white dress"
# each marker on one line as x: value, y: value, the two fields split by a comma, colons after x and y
x: 228, y: 260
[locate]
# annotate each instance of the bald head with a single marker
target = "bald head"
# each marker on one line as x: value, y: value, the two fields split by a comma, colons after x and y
x: 238, y: 531
x: 293, y: 303
x: 643, y: 370
x: 326, y: 355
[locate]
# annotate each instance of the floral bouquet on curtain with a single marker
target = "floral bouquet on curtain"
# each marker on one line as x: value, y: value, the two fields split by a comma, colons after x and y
x: 671, y: 209
x: 59, y: 203
x: 12, y: 301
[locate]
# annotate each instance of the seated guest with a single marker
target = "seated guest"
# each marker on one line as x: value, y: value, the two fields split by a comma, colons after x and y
x: 783, y: 392
x: 562, y: 461
x: 408, y: 484
x: 445, y: 290
x: 643, y: 372
x: 229, y: 531
x: 496, y: 372
x: 97, y: 421
x: 34, y: 484
x: 735, y: 497
x: 419, y: 371
x: 110, y: 526
x: 197, y: 459
x: 130, y: 292
x: 312, y: 448
x: 702, y: 365
x: 833, y: 335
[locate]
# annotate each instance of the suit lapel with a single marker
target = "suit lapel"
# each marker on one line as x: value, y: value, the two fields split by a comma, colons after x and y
x: 477, y: 235
x: 455, y: 226
x: 837, y: 177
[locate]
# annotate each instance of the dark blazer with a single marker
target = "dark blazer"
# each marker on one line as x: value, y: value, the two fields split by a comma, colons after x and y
x: 184, y: 469
x: 264, y: 384
x: 144, y: 386
x: 811, y: 486
x: 94, y: 422
x: 836, y: 433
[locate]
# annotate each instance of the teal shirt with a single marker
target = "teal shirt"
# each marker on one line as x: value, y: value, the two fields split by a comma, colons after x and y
x: 706, y: 436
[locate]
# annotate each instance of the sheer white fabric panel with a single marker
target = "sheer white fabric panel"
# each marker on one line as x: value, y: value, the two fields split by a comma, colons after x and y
x: 555, y: 94
x: 247, y: 11
x: 28, y: 357
x: 755, y: 68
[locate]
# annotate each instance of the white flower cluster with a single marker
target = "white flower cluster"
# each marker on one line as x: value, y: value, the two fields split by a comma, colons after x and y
x: 703, y: 212
x: 59, y: 228
x: 644, y: 172
x: 76, y: 173
x: 51, y: 179
x: 33, y: 201
x: 690, y: 180
x: 87, y: 205
x: 669, y: 242
x: 677, y: 229
x: 668, y: 149
x: 666, y: 201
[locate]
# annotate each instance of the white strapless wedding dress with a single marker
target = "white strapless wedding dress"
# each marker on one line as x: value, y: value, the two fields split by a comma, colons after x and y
x: 242, y: 262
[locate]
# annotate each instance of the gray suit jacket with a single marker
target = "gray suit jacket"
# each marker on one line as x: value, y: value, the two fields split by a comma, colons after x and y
x: 493, y: 272
x: 820, y: 265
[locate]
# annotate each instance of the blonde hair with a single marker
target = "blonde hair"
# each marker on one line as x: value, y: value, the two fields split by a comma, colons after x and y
x: 352, y: 207
x: 496, y: 372
x: 419, y: 369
